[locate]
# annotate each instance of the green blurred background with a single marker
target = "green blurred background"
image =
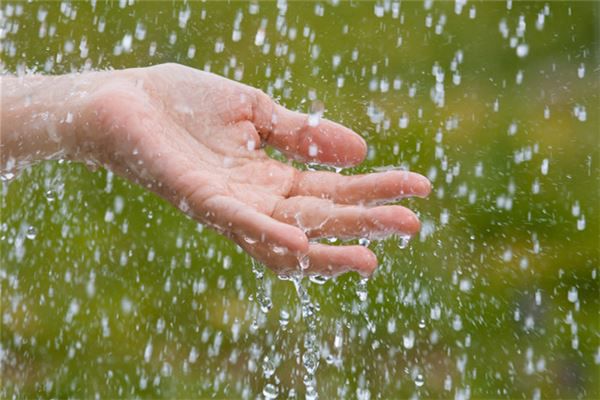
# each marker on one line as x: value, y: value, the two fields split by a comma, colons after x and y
x: 108, y: 291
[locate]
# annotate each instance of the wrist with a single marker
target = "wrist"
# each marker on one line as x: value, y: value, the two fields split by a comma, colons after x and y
x: 39, y: 118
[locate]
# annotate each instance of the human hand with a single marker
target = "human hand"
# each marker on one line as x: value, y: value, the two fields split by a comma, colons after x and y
x: 197, y: 140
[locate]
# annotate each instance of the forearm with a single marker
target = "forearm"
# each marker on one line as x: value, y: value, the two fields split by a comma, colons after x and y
x: 40, y: 116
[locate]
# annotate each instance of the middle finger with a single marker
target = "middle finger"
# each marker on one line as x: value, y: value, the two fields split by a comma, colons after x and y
x: 320, y: 218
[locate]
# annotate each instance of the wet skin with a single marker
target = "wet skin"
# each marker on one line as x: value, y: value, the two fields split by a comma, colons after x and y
x: 197, y: 140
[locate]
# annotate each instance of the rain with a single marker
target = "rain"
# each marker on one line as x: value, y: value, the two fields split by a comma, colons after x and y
x: 108, y: 291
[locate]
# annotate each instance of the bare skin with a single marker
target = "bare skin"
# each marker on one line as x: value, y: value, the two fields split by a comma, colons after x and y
x: 197, y: 139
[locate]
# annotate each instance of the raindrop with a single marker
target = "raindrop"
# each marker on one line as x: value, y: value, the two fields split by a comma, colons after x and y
x: 50, y: 195
x: 457, y: 323
x: 544, y: 167
x: 284, y: 318
x: 580, y: 113
x: 522, y: 50
x: 191, y: 51
x: 419, y: 380
x: 268, y: 367
x: 338, y: 340
x: 444, y: 217
x: 408, y: 340
x: 539, y: 23
x: 519, y: 77
x: 403, y: 121
x: 259, y: 39
x: 304, y: 262
x: 7, y: 176
x: 472, y: 12
x: 316, y: 112
x: 581, y: 223
x: 546, y: 112
x: 361, y: 289
x: 270, y: 391
x: 310, y: 361
x: 126, y: 42
x: 219, y: 46
x: 572, y: 295
x: 581, y: 71
x: 31, y: 232
x: 318, y: 279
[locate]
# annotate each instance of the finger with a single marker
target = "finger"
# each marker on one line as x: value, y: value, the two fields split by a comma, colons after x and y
x: 320, y: 260
x: 335, y: 260
x: 322, y: 218
x: 296, y: 136
x: 361, y: 189
x: 232, y: 216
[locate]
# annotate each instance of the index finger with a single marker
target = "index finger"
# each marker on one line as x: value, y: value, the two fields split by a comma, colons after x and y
x: 306, y: 139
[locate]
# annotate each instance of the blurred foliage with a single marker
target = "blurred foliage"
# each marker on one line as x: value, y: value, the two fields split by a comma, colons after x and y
x: 108, y: 291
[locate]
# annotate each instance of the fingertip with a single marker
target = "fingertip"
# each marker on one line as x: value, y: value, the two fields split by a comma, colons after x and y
x: 366, y: 262
x: 395, y: 220
x: 417, y: 225
x: 412, y: 224
x: 296, y: 241
x: 423, y: 187
x: 353, y: 148
x: 363, y: 149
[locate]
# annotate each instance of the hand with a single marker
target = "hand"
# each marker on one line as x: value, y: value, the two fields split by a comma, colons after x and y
x: 197, y: 140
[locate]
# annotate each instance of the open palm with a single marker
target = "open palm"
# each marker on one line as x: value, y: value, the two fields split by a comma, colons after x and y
x: 197, y: 140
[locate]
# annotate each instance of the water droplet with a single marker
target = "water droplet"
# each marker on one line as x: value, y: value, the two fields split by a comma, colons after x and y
x: 361, y: 289
x: 419, y: 380
x: 7, y: 176
x: 581, y: 71
x: 580, y: 113
x: 148, y: 352
x: 259, y: 39
x: 310, y: 361
x: 284, y: 318
x: 581, y: 223
x: 403, y: 241
x: 457, y: 323
x: 268, y: 367
x: 364, y: 242
x: 264, y: 301
x: 318, y: 279
x: 522, y: 50
x: 444, y: 217
x: 191, y: 51
x: 50, y: 196
x: 304, y: 262
x: 472, y: 12
x: 408, y: 340
x: 270, y: 391
x: 573, y: 295
x: 316, y: 112
x: 448, y: 383
x: 465, y: 285
x: 403, y: 121
x: 31, y: 232
x: 544, y: 167
x: 519, y: 77
x: 575, y: 209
